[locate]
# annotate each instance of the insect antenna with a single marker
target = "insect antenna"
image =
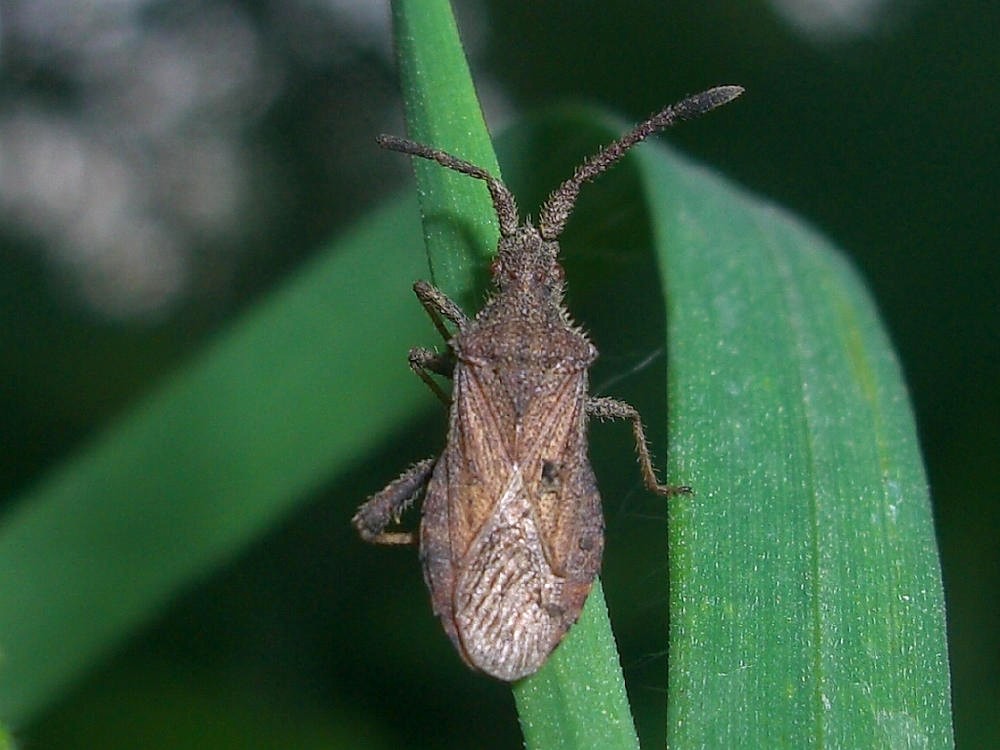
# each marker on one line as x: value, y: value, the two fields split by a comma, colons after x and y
x: 558, y: 207
x: 503, y: 201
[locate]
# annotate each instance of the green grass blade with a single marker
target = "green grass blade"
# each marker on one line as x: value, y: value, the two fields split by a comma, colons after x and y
x: 578, y: 699
x: 443, y: 111
x: 294, y: 392
x: 806, y: 606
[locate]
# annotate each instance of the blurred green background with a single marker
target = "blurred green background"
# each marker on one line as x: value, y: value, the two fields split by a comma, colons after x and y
x: 163, y: 166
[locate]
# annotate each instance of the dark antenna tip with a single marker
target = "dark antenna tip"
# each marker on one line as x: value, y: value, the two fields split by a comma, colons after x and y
x: 724, y: 94
x: 708, y: 100
x: 556, y: 210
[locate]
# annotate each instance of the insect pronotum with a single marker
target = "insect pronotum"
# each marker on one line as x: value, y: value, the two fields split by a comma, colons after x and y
x: 511, y: 533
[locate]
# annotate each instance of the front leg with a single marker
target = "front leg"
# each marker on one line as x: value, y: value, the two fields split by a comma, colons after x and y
x: 385, y: 507
x: 438, y: 305
x: 424, y: 361
x: 610, y: 408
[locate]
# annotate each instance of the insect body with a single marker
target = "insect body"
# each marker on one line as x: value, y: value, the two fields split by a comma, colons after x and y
x: 511, y: 533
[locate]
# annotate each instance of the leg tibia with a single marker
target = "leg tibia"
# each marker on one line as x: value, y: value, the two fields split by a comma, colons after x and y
x: 610, y: 408
x: 384, y: 508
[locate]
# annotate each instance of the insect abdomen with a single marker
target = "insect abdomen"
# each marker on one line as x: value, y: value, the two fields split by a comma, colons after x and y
x: 509, y: 604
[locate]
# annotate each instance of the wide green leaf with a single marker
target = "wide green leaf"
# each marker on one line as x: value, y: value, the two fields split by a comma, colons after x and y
x: 807, y: 607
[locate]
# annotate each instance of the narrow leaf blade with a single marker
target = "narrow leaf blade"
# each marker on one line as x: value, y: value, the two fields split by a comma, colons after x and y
x: 578, y: 699
x: 443, y: 111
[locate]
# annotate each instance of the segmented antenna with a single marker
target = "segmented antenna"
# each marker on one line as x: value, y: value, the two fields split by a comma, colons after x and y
x: 557, y: 209
x: 503, y: 201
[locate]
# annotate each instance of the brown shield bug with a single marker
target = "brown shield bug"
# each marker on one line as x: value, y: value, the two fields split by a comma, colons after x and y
x: 511, y: 532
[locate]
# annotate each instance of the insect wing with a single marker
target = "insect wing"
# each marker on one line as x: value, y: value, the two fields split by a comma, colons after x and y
x: 512, y: 532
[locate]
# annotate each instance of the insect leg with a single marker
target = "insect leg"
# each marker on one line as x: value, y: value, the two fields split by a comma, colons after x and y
x: 610, y: 408
x: 438, y: 306
x: 385, y: 507
x: 424, y: 361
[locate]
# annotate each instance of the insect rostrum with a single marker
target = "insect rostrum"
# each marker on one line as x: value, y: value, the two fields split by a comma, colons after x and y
x: 511, y: 533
